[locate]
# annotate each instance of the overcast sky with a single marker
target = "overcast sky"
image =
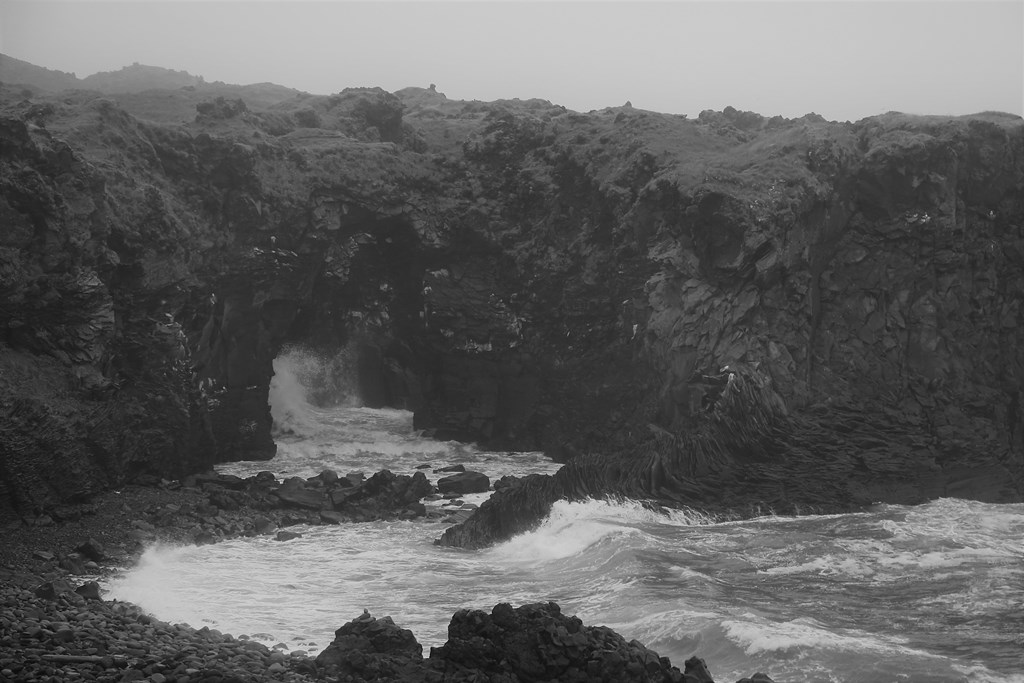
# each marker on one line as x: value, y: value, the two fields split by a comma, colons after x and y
x: 843, y: 60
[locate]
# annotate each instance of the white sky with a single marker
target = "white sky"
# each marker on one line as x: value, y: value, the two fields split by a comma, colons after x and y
x: 843, y: 60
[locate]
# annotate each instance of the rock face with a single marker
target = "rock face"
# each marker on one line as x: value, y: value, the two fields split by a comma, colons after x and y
x: 521, y: 276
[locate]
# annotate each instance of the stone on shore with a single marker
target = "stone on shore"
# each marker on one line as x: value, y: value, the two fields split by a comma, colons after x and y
x: 92, y: 549
x: 90, y: 590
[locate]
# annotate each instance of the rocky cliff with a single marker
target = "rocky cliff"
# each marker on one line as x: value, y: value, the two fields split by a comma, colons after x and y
x: 522, y: 276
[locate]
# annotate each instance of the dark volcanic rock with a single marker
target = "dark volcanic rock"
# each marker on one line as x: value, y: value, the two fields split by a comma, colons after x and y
x: 370, y: 649
x: 538, y: 643
x: 518, y: 275
x: 93, y: 550
x: 464, y: 482
x: 383, y: 496
x: 294, y: 492
x: 529, y: 643
x: 90, y: 590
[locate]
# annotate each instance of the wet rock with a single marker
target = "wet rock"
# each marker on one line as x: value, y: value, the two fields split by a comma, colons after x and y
x: 757, y: 678
x: 385, y: 495
x: 90, y: 590
x: 327, y: 477
x: 331, y: 517
x: 294, y: 492
x: 50, y: 590
x: 287, y: 535
x: 263, y: 525
x: 264, y: 478
x: 451, y: 468
x: 464, y: 482
x: 696, y: 671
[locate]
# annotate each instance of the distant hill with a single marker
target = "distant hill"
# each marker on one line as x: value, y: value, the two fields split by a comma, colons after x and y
x: 130, y: 79
x: 139, y: 77
x: 149, y: 92
x: 17, y: 72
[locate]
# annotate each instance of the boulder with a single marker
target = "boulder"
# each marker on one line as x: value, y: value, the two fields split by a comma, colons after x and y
x: 537, y: 642
x: 300, y: 496
x: 90, y: 590
x: 370, y: 649
x: 331, y: 517
x: 262, y: 525
x: 385, y: 495
x: 92, y: 549
x: 756, y: 678
x: 50, y: 590
x: 264, y: 478
x: 464, y: 482
x: 327, y: 477
x: 74, y: 563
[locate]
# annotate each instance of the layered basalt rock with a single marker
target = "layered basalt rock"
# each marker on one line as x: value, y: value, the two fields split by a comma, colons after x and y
x: 522, y: 276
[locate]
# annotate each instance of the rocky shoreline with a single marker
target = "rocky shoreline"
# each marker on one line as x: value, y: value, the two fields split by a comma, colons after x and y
x: 56, y: 626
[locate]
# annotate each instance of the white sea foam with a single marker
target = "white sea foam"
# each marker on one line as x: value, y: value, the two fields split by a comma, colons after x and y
x: 289, y: 402
x: 756, y: 635
x: 570, y: 529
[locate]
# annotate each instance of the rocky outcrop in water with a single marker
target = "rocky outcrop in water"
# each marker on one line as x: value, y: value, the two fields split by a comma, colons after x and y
x: 528, y: 643
x: 522, y: 276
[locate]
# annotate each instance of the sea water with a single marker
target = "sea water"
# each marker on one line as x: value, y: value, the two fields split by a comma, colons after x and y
x: 931, y: 593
